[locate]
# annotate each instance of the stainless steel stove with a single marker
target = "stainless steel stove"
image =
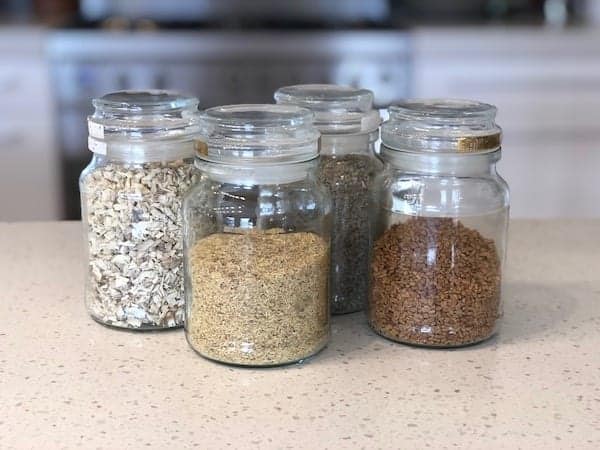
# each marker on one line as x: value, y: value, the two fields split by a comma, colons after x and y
x: 220, y: 67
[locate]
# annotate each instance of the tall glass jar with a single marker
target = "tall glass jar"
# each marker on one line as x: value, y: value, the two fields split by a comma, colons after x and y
x: 437, y: 261
x: 349, y: 128
x: 131, y: 195
x: 256, y: 229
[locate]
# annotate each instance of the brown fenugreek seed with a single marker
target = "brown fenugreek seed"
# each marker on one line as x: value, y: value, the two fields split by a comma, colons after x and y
x: 434, y: 282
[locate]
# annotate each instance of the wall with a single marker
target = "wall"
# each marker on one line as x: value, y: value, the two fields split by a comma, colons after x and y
x: 546, y: 84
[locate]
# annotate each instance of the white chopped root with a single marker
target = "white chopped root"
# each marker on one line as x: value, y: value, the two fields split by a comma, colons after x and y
x: 134, y: 233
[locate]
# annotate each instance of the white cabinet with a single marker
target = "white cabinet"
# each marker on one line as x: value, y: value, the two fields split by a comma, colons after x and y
x: 546, y: 84
x: 29, y: 160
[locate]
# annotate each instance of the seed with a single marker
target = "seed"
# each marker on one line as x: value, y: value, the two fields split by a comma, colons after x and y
x: 258, y: 298
x: 349, y: 179
x: 435, y: 282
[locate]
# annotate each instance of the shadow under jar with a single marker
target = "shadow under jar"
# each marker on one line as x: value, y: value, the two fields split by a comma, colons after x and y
x: 436, y: 272
x: 131, y: 196
x: 348, y: 167
x: 257, y: 229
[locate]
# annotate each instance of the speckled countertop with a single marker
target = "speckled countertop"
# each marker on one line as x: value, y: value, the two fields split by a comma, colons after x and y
x: 67, y: 382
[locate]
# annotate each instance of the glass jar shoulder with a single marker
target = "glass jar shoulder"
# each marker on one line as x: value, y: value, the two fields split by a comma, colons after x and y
x: 413, y: 193
x: 305, y: 192
x: 215, y: 204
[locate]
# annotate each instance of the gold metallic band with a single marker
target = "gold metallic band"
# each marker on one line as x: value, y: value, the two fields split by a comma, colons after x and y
x: 201, y: 148
x: 473, y: 144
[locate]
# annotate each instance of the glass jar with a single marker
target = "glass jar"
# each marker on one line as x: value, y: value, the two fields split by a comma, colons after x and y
x: 131, y: 195
x: 437, y: 261
x: 349, y: 129
x: 256, y: 238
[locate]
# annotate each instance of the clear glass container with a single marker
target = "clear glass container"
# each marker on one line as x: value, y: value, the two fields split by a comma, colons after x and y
x: 256, y: 238
x: 131, y: 195
x: 348, y: 167
x: 436, y: 272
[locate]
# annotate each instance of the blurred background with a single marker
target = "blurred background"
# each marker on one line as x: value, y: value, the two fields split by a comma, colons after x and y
x: 537, y: 60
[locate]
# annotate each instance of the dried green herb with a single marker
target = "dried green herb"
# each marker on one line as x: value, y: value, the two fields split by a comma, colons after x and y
x: 349, y: 179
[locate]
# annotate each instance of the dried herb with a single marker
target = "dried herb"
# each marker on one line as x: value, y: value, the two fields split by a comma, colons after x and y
x: 349, y: 179
x: 434, y: 282
x: 258, y: 298
x: 134, y: 235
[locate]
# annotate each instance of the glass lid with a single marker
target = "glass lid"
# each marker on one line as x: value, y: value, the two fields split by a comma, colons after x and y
x: 442, y: 126
x: 140, y: 126
x: 257, y: 134
x: 337, y: 109
x: 143, y: 115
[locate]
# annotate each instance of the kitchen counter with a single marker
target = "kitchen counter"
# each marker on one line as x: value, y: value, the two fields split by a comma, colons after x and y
x: 66, y: 381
